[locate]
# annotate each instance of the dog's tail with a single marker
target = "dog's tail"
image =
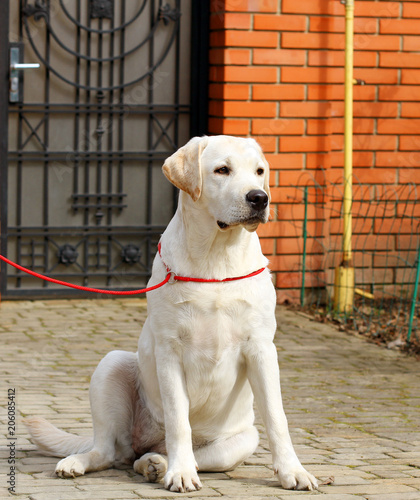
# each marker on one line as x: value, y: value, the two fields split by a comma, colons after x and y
x: 55, y: 442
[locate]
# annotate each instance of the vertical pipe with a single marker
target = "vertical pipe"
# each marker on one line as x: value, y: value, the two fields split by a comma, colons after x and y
x: 344, y: 274
x: 305, y: 233
x: 414, y: 298
x: 348, y: 136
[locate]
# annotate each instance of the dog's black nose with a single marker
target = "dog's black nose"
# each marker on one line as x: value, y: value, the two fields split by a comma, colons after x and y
x: 257, y: 198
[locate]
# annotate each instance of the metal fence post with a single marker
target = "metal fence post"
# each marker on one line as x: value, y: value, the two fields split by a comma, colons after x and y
x: 414, y: 298
x: 305, y: 235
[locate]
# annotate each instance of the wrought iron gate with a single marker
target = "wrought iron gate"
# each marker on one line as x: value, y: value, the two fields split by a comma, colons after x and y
x: 82, y: 193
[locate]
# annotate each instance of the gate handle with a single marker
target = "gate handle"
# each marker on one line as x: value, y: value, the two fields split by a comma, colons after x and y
x: 16, y: 78
x: 24, y: 66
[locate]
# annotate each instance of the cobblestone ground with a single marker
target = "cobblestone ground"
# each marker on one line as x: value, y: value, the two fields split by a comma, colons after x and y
x: 353, y: 408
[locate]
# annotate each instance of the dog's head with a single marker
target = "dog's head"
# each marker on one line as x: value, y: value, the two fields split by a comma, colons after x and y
x: 229, y: 176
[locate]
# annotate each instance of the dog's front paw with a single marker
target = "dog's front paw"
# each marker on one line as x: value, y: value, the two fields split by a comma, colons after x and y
x: 296, y: 478
x: 70, y: 467
x: 182, y: 481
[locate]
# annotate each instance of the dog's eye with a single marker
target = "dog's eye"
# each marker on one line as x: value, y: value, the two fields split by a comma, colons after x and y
x: 260, y: 171
x: 222, y: 171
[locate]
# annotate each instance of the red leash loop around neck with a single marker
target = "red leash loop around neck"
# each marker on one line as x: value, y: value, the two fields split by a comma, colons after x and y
x: 169, y: 275
x: 201, y: 280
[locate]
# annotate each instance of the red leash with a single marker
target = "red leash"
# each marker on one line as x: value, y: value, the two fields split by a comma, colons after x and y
x: 128, y: 292
x: 84, y: 288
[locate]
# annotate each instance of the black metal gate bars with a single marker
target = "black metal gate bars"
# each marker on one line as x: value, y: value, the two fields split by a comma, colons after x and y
x: 88, y: 133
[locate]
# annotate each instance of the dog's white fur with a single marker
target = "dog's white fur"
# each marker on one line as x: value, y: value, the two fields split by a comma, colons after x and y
x: 206, y: 348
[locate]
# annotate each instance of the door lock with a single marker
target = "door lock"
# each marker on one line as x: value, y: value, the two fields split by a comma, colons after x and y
x: 16, y: 74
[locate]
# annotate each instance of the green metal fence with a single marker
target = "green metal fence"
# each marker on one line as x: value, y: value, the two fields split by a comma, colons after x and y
x: 386, y: 256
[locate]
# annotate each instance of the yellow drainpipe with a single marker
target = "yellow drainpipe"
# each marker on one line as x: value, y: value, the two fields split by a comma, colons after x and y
x: 344, y: 274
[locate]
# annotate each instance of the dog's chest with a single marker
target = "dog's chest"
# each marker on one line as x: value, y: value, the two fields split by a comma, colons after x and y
x: 211, y: 335
x: 212, y: 325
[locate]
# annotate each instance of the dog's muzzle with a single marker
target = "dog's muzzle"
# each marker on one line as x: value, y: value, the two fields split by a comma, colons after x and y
x: 257, y: 201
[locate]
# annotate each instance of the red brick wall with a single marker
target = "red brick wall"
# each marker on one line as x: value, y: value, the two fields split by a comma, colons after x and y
x: 276, y: 74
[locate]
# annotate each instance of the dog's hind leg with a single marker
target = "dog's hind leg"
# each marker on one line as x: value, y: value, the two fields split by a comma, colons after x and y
x: 226, y: 454
x: 113, y: 395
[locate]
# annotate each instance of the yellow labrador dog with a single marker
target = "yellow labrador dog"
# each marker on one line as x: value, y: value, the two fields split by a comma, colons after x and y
x: 184, y: 401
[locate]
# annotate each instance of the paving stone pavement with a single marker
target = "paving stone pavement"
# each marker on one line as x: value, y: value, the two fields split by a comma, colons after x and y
x: 353, y: 408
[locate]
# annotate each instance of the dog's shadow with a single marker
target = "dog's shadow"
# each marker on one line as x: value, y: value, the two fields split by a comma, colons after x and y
x: 254, y: 475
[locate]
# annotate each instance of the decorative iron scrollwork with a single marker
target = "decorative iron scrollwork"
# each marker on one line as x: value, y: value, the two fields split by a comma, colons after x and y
x: 67, y: 254
x: 38, y: 10
x: 101, y: 9
x: 131, y: 254
x: 167, y: 14
x: 87, y: 143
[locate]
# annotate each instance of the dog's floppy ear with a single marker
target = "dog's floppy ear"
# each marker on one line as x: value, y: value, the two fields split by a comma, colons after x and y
x: 183, y: 168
